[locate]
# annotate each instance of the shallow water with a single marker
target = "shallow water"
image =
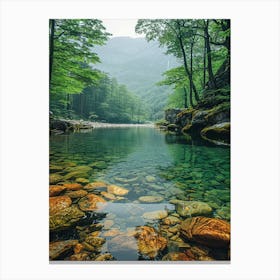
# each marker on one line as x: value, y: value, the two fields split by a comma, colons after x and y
x: 146, y: 162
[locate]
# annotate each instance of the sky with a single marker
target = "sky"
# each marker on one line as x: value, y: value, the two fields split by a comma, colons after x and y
x: 121, y: 27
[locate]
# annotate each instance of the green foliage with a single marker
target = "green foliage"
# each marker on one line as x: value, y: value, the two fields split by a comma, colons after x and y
x: 71, y: 43
x: 108, y: 101
x: 179, y: 36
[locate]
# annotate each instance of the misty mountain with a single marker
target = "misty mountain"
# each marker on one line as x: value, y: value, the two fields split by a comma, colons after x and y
x: 139, y: 65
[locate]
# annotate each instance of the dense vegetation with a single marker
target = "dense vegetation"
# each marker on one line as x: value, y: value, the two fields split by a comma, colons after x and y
x: 77, y: 90
x: 195, y: 64
x: 203, y: 49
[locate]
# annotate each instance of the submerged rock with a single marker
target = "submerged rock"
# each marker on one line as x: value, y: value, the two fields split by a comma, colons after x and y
x: 116, y: 190
x: 80, y: 257
x: 150, y: 199
x: 55, y: 168
x: 95, y: 242
x: 95, y: 185
x: 90, y: 202
x: 109, y: 195
x: 82, y: 180
x: 99, y: 164
x: 208, y: 231
x: 60, y: 248
x: 55, y: 178
x: 80, y: 168
x: 73, y: 187
x: 150, y: 179
x: 176, y: 256
x: 65, y: 218
x: 108, y: 224
x: 171, y: 220
x: 78, y: 248
x: 155, y: 215
x: 126, y: 180
x: 76, y: 174
x: 55, y: 190
x: 77, y: 194
x: 191, y: 208
x: 104, y: 257
x: 149, y: 241
x: 58, y: 203
x: 122, y: 242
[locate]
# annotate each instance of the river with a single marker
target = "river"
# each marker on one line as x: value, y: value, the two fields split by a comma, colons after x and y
x: 147, y: 163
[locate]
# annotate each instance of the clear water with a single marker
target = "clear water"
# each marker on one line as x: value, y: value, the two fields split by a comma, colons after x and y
x: 178, y: 168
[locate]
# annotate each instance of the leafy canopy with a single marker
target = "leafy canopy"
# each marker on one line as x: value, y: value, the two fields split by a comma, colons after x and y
x: 73, y: 41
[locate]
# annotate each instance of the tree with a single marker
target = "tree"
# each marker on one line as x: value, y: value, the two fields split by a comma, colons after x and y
x: 175, y: 34
x: 199, y: 44
x: 71, y: 52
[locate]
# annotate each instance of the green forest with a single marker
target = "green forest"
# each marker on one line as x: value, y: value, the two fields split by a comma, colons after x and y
x: 198, y: 53
x: 139, y: 140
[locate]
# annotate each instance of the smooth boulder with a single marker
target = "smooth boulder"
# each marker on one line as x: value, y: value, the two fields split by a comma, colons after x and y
x: 90, y: 202
x: 208, y: 231
x: 192, y: 208
x: 150, y: 199
x: 116, y: 190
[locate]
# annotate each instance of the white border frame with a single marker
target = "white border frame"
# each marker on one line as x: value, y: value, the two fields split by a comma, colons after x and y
x: 24, y: 138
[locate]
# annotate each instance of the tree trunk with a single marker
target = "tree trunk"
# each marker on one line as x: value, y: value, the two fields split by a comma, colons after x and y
x: 209, y: 59
x: 185, y: 98
x: 51, y: 50
x: 204, y: 64
x: 191, y: 73
x: 192, y: 85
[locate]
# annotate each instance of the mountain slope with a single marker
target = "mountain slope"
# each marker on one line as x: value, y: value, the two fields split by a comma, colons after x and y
x: 139, y: 65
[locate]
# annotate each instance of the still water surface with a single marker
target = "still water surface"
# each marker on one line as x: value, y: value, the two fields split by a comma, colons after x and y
x: 147, y: 162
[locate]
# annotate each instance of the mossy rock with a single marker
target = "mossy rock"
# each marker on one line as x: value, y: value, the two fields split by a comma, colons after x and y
x: 219, y: 113
x: 184, y: 117
x: 65, y: 218
x: 75, y: 175
x: 99, y: 165
x: 218, y: 134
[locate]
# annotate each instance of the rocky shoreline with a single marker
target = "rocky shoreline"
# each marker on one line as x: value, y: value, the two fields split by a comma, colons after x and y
x: 82, y: 227
x: 209, y: 120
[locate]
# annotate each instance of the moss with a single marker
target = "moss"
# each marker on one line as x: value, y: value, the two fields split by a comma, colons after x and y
x: 217, y: 132
x: 186, y: 112
x: 162, y: 123
x: 186, y: 128
x: 221, y: 108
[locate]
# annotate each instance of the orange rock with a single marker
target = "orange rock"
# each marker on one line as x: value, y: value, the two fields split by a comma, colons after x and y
x: 58, y: 203
x: 90, y: 202
x: 108, y: 195
x: 59, y: 248
x: 73, y: 187
x: 76, y: 194
x: 79, y: 257
x: 78, y: 248
x: 208, y: 231
x: 149, y: 241
x: 95, y: 185
x: 176, y: 256
x: 55, y: 190
x: 116, y: 190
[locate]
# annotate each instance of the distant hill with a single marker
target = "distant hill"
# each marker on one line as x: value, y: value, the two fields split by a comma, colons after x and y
x: 138, y: 64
